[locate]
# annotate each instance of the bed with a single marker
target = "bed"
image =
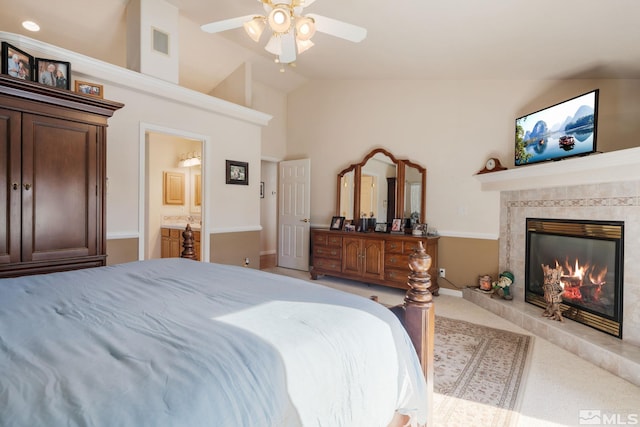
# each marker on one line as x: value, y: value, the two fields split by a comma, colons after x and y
x: 174, y: 342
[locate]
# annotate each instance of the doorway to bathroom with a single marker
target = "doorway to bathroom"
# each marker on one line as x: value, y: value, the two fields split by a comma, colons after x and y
x: 173, y: 190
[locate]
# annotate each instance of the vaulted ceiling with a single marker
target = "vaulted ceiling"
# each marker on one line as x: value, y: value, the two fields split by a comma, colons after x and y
x: 407, y: 39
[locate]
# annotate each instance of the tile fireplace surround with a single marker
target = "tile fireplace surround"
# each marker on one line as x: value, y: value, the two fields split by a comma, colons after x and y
x: 597, y: 187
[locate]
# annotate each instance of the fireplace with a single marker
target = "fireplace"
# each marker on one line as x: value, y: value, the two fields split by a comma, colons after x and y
x: 590, y: 254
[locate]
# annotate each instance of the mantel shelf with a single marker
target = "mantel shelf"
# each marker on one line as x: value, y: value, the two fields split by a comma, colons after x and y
x: 622, y: 165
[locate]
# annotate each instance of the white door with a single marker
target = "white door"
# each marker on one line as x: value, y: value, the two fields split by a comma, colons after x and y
x: 293, y: 214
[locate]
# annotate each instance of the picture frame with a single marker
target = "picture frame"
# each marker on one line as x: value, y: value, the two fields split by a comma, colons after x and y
x: 237, y: 172
x: 381, y: 227
x: 23, y: 68
x: 262, y: 189
x: 54, y: 73
x: 336, y: 223
x: 90, y: 89
x: 396, y: 225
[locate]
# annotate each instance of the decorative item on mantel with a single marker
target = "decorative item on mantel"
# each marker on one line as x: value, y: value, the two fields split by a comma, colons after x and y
x: 485, y: 283
x: 502, y: 287
x: 492, y: 165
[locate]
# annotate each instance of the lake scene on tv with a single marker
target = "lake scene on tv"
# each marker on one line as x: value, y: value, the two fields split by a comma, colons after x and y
x: 563, y: 130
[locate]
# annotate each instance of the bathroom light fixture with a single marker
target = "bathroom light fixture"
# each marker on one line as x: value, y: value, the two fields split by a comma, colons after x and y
x: 187, y: 160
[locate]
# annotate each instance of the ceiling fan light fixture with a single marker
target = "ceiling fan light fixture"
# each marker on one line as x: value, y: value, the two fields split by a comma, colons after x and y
x: 303, y: 45
x: 280, y: 19
x: 305, y: 28
x: 255, y: 27
x: 274, y: 46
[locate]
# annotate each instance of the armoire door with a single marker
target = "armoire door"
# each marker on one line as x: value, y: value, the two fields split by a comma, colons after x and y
x: 59, y: 188
x: 10, y: 159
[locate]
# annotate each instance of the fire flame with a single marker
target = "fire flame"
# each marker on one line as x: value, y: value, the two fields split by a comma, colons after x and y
x: 574, y: 280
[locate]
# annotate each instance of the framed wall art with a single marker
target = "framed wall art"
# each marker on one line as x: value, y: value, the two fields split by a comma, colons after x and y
x: 237, y: 172
x: 54, y: 73
x: 16, y: 63
x: 91, y: 89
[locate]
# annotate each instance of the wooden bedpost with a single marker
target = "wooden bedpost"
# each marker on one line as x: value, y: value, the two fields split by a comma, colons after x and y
x: 187, y: 243
x: 419, y: 315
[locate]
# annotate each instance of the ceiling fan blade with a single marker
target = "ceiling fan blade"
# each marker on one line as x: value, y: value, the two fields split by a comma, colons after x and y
x: 227, y: 24
x: 337, y: 28
x: 288, y: 54
x: 304, y: 3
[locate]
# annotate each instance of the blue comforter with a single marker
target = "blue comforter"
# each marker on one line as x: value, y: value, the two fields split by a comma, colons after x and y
x: 174, y: 342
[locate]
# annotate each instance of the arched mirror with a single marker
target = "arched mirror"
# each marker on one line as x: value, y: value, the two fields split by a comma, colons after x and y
x: 414, y: 177
x: 375, y: 174
x: 372, y: 188
x: 346, y: 192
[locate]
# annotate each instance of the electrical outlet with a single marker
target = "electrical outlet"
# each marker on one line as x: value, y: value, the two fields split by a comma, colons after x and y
x: 246, y: 262
x: 442, y: 273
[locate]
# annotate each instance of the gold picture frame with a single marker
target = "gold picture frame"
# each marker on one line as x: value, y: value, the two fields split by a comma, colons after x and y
x: 90, y: 89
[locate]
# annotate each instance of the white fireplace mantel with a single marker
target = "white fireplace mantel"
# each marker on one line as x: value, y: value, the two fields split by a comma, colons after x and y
x: 621, y: 165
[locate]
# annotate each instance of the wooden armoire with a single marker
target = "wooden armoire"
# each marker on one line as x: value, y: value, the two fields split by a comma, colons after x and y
x: 52, y: 178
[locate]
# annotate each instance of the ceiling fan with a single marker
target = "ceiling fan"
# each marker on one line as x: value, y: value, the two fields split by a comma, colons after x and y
x: 291, y: 32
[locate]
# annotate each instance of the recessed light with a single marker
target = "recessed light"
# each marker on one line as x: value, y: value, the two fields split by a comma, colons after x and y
x: 31, y: 26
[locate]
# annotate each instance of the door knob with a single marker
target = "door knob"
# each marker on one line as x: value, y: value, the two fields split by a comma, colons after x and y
x: 305, y: 220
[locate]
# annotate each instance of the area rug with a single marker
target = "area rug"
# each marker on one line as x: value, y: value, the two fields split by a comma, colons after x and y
x: 478, y: 372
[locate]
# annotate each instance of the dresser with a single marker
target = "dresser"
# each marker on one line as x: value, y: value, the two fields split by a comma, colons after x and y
x: 52, y: 178
x: 378, y: 258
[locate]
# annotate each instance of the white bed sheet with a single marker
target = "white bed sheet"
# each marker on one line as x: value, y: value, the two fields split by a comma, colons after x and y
x: 175, y: 342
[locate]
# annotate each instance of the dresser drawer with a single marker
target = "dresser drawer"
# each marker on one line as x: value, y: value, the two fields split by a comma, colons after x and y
x: 393, y: 260
x: 334, y: 252
x: 327, y: 264
x: 327, y: 239
x: 412, y: 245
x: 396, y: 276
x: 393, y: 246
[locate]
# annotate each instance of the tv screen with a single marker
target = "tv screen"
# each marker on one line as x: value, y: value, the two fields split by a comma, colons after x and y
x: 563, y: 130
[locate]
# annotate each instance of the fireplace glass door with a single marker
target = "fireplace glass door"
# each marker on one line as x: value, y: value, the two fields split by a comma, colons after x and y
x: 590, y: 256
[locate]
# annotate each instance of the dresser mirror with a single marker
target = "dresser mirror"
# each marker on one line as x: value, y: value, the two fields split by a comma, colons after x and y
x: 370, y: 189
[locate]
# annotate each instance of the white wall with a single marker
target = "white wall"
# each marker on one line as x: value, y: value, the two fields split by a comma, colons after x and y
x: 450, y: 127
x: 269, y: 208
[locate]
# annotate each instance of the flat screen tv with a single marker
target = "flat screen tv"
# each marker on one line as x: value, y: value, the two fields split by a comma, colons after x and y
x: 563, y: 130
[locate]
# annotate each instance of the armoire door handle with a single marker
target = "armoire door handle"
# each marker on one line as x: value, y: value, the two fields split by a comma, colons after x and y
x: 15, y: 185
x: 27, y: 186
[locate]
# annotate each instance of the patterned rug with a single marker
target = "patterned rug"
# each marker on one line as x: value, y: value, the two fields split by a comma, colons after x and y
x: 477, y: 373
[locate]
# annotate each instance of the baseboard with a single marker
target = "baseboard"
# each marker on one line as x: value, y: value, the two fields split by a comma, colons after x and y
x: 450, y: 292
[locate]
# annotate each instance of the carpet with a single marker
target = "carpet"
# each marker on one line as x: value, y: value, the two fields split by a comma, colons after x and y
x: 477, y: 373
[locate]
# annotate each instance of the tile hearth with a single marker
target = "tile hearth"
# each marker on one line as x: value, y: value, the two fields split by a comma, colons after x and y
x: 605, y: 351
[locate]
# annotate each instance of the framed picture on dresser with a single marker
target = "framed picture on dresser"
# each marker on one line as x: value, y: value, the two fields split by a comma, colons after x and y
x: 16, y: 63
x: 336, y: 223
